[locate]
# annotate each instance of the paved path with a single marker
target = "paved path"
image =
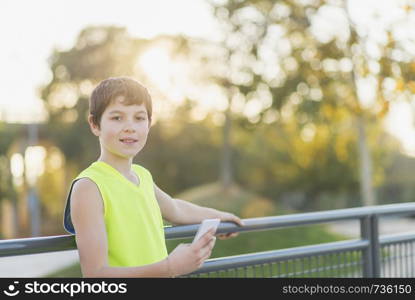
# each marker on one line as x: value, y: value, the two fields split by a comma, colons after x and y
x: 36, y: 265
x: 387, y: 225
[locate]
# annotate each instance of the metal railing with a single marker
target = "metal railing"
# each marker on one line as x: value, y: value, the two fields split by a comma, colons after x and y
x: 371, y: 255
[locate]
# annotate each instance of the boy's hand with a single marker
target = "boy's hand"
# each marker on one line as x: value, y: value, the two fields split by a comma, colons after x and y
x: 228, y: 217
x: 186, y: 258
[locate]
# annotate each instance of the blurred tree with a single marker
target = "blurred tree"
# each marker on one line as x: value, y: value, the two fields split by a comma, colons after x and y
x: 8, y: 133
x: 182, y: 152
x: 293, y: 59
x: 280, y: 80
x: 375, y: 62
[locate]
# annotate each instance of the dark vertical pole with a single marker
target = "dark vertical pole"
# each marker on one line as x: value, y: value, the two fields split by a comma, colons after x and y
x: 371, y: 256
x: 32, y: 196
x: 376, y: 246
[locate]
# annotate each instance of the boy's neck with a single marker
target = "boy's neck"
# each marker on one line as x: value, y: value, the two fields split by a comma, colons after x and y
x: 123, y: 165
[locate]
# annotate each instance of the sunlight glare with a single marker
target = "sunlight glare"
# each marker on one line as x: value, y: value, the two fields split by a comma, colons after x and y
x: 399, y: 122
x: 34, y: 163
x: 155, y: 63
x: 17, y: 168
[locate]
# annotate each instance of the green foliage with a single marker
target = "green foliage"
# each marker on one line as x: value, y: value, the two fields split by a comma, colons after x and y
x: 181, y: 154
x: 6, y: 185
x: 313, y: 88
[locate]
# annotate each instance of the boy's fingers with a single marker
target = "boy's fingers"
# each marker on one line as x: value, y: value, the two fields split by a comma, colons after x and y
x: 208, y: 254
x: 212, y: 242
x: 232, y: 218
x: 205, y: 239
x: 208, y: 249
x: 238, y: 221
x: 222, y: 236
x: 226, y: 236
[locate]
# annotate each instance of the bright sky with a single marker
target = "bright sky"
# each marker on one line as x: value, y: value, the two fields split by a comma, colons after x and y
x: 31, y: 29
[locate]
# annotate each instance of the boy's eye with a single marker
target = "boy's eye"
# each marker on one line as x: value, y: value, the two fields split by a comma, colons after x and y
x: 117, y: 118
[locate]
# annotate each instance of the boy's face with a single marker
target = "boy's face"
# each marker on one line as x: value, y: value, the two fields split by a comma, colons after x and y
x: 123, y: 129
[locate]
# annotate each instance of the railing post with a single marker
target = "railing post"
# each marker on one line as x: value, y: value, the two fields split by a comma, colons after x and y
x: 369, y: 230
x: 375, y: 246
x: 367, y: 253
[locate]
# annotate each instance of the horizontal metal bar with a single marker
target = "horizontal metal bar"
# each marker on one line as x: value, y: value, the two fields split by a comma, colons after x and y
x: 397, y: 238
x: 232, y: 262
x: 267, y: 223
x: 37, y: 245
x: 67, y: 242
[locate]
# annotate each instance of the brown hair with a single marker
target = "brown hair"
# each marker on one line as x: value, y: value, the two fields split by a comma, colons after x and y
x: 111, y: 88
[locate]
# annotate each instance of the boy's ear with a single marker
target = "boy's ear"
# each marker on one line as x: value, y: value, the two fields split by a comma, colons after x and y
x: 94, y: 128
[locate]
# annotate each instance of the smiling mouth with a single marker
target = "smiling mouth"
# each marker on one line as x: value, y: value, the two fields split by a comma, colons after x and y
x: 128, y: 141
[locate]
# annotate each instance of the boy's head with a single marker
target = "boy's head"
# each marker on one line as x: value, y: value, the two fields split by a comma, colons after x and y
x: 120, y: 115
x: 111, y: 89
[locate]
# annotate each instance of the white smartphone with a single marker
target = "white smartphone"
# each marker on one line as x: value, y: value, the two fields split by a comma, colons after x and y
x: 205, y: 226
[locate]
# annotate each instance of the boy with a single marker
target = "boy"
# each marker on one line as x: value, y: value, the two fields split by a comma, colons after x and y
x: 114, y: 206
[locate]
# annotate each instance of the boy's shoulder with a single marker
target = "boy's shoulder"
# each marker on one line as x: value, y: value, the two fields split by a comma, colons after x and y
x: 84, y: 185
x: 91, y: 169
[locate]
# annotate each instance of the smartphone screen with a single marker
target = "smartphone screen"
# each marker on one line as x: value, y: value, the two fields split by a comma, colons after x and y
x: 205, y: 226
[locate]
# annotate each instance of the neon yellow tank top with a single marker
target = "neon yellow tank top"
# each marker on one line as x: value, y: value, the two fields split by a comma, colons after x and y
x: 132, y: 216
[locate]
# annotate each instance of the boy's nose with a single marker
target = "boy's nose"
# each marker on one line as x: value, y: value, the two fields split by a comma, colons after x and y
x: 129, y: 127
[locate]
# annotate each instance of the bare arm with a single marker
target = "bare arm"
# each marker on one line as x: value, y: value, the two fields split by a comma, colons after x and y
x: 178, y: 211
x: 87, y: 213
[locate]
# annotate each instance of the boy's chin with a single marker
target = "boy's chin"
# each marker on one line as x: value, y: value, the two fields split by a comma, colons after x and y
x: 129, y: 155
x: 126, y: 155
x: 123, y: 153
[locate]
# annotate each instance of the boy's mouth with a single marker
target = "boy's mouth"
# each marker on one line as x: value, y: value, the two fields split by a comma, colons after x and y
x: 128, y: 141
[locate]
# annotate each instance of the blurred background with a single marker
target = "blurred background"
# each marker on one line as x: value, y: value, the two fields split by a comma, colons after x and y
x: 261, y: 107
